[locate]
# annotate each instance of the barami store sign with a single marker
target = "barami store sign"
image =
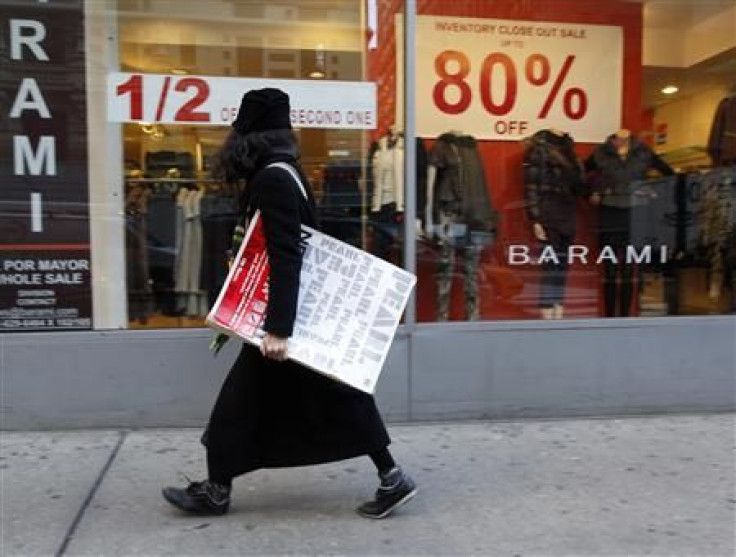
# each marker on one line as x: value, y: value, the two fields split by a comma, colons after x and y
x: 45, y: 279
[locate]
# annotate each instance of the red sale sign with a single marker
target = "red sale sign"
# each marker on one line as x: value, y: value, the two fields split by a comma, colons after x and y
x: 175, y: 99
x: 505, y: 79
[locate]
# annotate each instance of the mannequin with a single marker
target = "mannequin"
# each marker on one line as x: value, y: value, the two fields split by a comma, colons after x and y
x: 388, y: 172
x: 553, y: 177
x: 620, y: 165
x: 459, y: 213
x: 387, y: 204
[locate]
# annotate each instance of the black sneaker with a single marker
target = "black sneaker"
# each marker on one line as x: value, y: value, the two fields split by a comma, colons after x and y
x: 199, y: 498
x: 396, y: 489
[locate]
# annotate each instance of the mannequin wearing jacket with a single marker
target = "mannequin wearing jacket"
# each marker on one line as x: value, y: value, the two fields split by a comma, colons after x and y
x: 388, y: 173
x: 387, y: 204
x: 552, y: 179
x: 460, y: 214
x: 620, y: 165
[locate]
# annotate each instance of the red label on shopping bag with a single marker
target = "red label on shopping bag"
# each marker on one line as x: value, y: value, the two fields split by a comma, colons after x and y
x: 243, y: 299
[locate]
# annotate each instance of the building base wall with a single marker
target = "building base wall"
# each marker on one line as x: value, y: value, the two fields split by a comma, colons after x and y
x: 497, y: 370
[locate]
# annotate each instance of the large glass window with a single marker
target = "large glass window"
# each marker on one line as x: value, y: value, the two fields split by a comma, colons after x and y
x: 580, y: 159
x: 573, y: 159
x: 178, y: 220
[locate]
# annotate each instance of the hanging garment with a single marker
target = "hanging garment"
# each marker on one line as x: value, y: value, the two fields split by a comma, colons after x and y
x: 138, y: 278
x: 722, y: 139
x: 161, y: 249
x: 196, y: 301
x: 190, y: 298
x: 181, y: 260
x: 716, y: 217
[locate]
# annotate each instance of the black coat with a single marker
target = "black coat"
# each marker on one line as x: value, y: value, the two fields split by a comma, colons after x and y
x: 553, y: 176
x: 618, y: 178
x: 461, y: 188
x: 275, y: 414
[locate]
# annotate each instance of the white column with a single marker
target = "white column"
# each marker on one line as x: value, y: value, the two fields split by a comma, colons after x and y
x: 105, y: 152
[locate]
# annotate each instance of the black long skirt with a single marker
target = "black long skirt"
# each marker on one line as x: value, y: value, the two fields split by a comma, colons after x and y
x: 278, y: 414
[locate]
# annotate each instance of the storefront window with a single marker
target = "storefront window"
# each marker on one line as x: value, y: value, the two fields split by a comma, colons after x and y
x: 573, y: 159
x: 45, y: 279
x: 179, y: 220
x: 580, y: 159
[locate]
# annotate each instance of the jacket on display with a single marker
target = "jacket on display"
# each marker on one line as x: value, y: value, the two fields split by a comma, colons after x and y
x: 460, y: 188
x: 421, y: 191
x: 553, y: 177
x: 621, y: 179
x: 722, y: 139
x: 275, y: 414
x: 388, y: 174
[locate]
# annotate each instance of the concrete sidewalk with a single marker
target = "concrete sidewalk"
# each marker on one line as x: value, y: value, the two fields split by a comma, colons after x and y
x: 635, y: 486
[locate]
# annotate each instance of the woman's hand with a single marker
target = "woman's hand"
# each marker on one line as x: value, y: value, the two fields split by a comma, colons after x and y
x: 275, y: 348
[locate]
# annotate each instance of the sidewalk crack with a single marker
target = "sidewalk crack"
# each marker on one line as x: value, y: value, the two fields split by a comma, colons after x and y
x: 91, y: 495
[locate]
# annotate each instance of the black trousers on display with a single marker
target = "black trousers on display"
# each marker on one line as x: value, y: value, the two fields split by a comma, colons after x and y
x: 554, y: 273
x: 618, y: 278
x: 387, y: 232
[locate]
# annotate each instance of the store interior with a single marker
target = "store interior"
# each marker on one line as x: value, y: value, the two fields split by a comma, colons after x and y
x: 689, y: 70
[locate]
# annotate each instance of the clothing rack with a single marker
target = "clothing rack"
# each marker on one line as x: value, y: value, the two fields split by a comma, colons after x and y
x: 177, y: 233
x: 175, y: 180
x: 172, y: 185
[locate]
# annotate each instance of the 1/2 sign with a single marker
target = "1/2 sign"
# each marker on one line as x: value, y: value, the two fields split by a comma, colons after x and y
x: 189, y: 108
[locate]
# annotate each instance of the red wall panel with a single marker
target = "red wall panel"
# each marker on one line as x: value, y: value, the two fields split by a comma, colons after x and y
x: 500, y: 285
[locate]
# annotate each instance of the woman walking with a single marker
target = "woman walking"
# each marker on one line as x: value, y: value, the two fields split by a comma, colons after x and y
x: 273, y: 412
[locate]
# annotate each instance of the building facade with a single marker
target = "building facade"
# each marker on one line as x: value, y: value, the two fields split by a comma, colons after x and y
x: 559, y: 175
